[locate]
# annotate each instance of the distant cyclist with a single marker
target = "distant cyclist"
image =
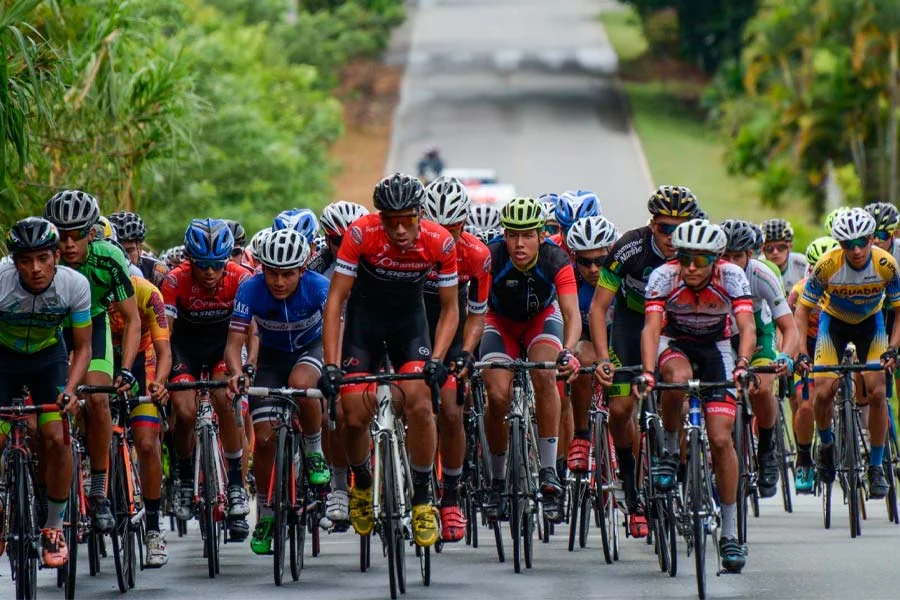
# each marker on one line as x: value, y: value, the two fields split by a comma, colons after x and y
x: 778, y: 247
x: 430, y: 166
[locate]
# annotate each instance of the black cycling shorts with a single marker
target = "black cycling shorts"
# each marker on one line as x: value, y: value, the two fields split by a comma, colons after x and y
x: 44, y: 373
x: 625, y: 348
x: 274, y: 370
x: 367, y: 335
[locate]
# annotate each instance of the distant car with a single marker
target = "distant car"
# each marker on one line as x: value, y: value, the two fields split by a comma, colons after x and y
x: 483, y: 186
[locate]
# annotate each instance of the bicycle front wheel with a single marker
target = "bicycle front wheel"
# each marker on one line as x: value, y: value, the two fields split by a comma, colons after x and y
x: 392, y: 533
x: 513, y: 484
x: 122, y: 535
x: 209, y: 501
x: 72, y: 521
x: 785, y: 455
x: 604, y: 490
x: 851, y: 466
x: 281, y: 500
x: 697, y: 474
x: 24, y: 547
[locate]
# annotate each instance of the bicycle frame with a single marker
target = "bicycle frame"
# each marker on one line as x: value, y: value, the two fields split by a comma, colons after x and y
x: 205, y: 422
x: 386, y: 434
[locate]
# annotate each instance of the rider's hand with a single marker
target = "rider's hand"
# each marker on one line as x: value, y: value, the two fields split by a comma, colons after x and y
x: 461, y: 364
x: 889, y: 359
x: 330, y: 382
x: 158, y: 392
x: 803, y: 363
x: 435, y: 372
x: 645, y: 383
x: 604, y: 372
x: 740, y: 373
x: 67, y: 401
x: 250, y: 371
x: 126, y: 382
x: 237, y: 384
x: 784, y: 363
x: 568, y: 365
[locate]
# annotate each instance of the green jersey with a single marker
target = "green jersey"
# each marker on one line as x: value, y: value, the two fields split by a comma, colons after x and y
x: 106, y: 269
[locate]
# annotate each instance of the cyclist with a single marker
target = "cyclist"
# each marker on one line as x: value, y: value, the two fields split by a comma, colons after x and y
x: 802, y: 410
x: 778, y: 242
x: 286, y: 301
x: 199, y: 296
x: 482, y: 217
x: 431, y: 165
x: 336, y: 218
x: 74, y: 213
x: 173, y: 256
x: 240, y: 240
x: 829, y: 218
x: 130, y: 232
x: 693, y: 304
x: 532, y: 310
x: 384, y: 263
x: 151, y: 368
x: 568, y: 209
x: 548, y: 206
x: 36, y: 295
x: 301, y: 219
x: 853, y: 282
x: 771, y: 312
x: 623, y: 279
x: 447, y: 204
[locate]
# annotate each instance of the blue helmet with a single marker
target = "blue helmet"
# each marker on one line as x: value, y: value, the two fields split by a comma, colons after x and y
x: 589, y: 205
x: 302, y: 220
x: 208, y: 239
x: 564, y: 209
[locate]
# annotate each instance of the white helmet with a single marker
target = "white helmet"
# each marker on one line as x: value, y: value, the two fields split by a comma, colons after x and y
x: 446, y: 201
x: 257, y: 239
x: 337, y: 216
x: 698, y: 235
x: 284, y: 249
x: 852, y: 224
x: 320, y: 243
x: 488, y: 235
x: 591, y: 233
x: 482, y: 217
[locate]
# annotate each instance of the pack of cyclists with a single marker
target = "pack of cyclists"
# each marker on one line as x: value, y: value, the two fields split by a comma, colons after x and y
x: 435, y: 282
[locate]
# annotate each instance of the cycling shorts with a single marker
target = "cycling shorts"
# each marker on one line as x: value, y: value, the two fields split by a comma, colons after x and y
x: 274, y: 370
x: 765, y: 352
x: 188, y: 366
x: 869, y: 336
x: 710, y: 362
x: 505, y: 339
x: 44, y: 373
x: 625, y: 348
x: 101, y: 345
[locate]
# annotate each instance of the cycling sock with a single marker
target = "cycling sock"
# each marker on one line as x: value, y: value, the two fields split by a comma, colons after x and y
x: 56, y: 512
x: 421, y: 484
x: 235, y: 464
x: 583, y: 434
x: 498, y: 466
x: 151, y: 505
x: 766, y: 437
x: 451, y: 484
x: 362, y: 477
x: 670, y: 441
x: 339, y: 478
x: 186, y: 469
x: 312, y: 443
x: 876, y: 455
x: 547, y: 448
x: 826, y: 436
x: 729, y: 520
x: 804, y: 455
x: 98, y: 483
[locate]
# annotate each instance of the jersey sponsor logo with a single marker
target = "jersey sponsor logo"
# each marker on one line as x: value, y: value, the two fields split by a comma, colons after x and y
x: 405, y: 265
x: 242, y: 308
x: 487, y: 264
x: 356, y: 234
x: 293, y: 325
x: 447, y: 246
x: 424, y: 351
x: 351, y: 361
x: 851, y: 291
x: 395, y: 274
x: 159, y: 310
x: 629, y: 250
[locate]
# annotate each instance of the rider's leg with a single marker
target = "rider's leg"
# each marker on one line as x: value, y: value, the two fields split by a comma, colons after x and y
x: 305, y: 375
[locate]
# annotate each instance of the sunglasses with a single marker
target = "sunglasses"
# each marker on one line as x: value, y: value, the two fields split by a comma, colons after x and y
x: 76, y: 235
x: 883, y: 235
x: 551, y: 229
x: 782, y: 247
x: 394, y: 221
x: 861, y: 242
x: 588, y: 262
x: 698, y: 260
x: 667, y: 228
x: 215, y: 265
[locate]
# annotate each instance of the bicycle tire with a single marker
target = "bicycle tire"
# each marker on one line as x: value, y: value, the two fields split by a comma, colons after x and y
x: 605, y: 477
x: 696, y: 456
x: 388, y: 512
x: 577, y: 486
x: 210, y: 499
x: 827, y: 489
x: 850, y: 455
x: 281, y: 502
x: 93, y: 545
x: 73, y: 523
x: 424, y: 555
x: 783, y: 454
x: 741, y: 445
x: 891, y: 498
x: 314, y: 532
x: 670, y: 534
x: 365, y: 547
x: 584, y: 521
x: 121, y: 536
x: 513, y: 486
x: 498, y: 540
x: 23, y: 550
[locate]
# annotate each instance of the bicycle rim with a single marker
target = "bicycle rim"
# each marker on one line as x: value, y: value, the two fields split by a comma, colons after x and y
x: 281, y: 501
x: 671, y: 537
x: 891, y: 498
x: 424, y: 564
x: 20, y: 549
x: 210, y: 501
x: 513, y: 487
x: 602, y: 481
x: 697, y: 473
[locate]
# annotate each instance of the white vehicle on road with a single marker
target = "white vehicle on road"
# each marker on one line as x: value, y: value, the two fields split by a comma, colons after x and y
x: 483, y: 186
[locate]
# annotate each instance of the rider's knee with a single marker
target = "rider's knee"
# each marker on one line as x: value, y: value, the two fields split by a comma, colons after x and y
x: 54, y: 439
x: 720, y: 439
x: 147, y: 443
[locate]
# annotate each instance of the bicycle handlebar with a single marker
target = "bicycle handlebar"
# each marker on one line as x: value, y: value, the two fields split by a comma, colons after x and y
x: 111, y: 389
x: 182, y: 386
x: 852, y: 368
x: 28, y: 409
x: 384, y: 377
x: 285, y: 391
x: 514, y: 365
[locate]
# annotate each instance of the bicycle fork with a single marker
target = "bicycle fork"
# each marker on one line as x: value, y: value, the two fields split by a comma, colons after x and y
x: 386, y: 433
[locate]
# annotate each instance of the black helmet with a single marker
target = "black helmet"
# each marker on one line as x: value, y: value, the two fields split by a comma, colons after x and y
x: 673, y: 201
x: 741, y: 236
x: 32, y: 233
x: 237, y: 230
x: 777, y: 230
x: 129, y: 226
x: 886, y: 215
x: 398, y: 192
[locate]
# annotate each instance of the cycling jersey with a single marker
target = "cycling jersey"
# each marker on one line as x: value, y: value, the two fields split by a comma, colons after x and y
x: 153, y: 270
x: 560, y: 240
x: 852, y: 295
x: 473, y: 261
x: 704, y: 315
x: 31, y: 322
x: 154, y: 327
x: 289, y: 324
x: 585, y: 296
x: 519, y: 294
x: 106, y: 269
x: 627, y: 268
x: 322, y: 262
x: 794, y: 269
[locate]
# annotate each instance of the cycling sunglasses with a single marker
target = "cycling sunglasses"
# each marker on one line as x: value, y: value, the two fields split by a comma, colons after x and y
x: 587, y: 262
x: 551, y: 229
x: 76, y: 235
x: 215, y: 265
x: 667, y: 228
x: 779, y: 247
x: 883, y: 235
x: 700, y: 261
x: 860, y: 242
x: 394, y: 221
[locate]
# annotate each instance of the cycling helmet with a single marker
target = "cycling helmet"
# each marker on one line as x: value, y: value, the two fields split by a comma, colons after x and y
x: 284, y: 249
x: 563, y: 209
x: 129, y: 226
x: 488, y: 235
x: 829, y: 218
x: 484, y: 216
x: 103, y: 230
x: 699, y: 236
x: 777, y: 230
x: 818, y: 247
x: 337, y: 216
x: 320, y: 243
x: 700, y: 214
x: 302, y: 220
x: 446, y: 201
x: 257, y: 239
x: 589, y: 206
x: 237, y: 230
x: 208, y: 239
x: 32, y: 233
x: 886, y: 216
x: 852, y: 224
x: 398, y: 192
x: 522, y: 214
x: 591, y: 233
x: 672, y: 201
x: 173, y: 256
x: 740, y: 234
x: 758, y: 232
x: 72, y: 210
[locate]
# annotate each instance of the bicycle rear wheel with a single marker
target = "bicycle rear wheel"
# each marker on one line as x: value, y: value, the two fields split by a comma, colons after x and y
x: 209, y: 501
x: 514, y: 485
x: 281, y: 502
x: 697, y: 473
x: 24, y: 547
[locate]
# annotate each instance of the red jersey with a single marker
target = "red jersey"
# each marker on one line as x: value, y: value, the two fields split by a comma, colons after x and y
x: 560, y: 240
x: 391, y: 278
x: 473, y: 264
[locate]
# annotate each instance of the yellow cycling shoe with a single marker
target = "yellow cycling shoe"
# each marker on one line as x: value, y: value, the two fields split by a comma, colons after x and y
x: 361, y: 511
x: 426, y: 531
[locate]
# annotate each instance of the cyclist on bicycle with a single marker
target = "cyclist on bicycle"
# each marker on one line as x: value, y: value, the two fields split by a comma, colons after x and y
x: 74, y: 213
x: 802, y: 410
x: 532, y: 310
x: 336, y: 218
x: 130, y: 232
x: 482, y: 217
x: 199, y: 296
x: 623, y: 279
x: 693, y: 305
x: 36, y: 295
x: 302, y: 220
x: 778, y: 242
x: 853, y: 282
x: 771, y: 312
x: 447, y: 204
x: 384, y: 263
x: 286, y: 301
x: 430, y: 166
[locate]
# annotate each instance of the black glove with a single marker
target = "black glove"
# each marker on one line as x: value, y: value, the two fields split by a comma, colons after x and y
x: 435, y: 372
x: 129, y: 379
x: 889, y: 355
x: 249, y: 370
x: 463, y: 361
x: 330, y: 382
